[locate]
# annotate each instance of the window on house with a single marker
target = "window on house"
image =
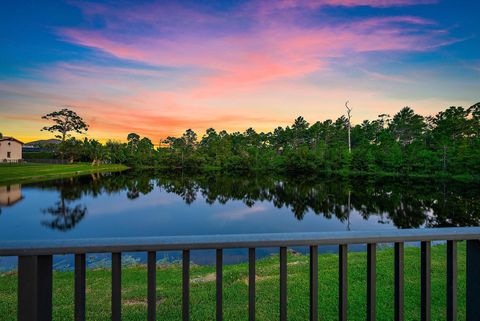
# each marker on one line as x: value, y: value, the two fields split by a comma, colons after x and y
x: 8, y: 154
x: 8, y: 143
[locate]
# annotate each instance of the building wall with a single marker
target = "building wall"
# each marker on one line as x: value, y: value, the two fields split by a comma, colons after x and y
x: 14, y: 147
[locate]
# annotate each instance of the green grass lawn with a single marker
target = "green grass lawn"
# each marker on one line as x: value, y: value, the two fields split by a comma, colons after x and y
x: 23, y: 173
x: 202, y: 296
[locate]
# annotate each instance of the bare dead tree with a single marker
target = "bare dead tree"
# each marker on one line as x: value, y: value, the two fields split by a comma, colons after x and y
x: 349, y: 126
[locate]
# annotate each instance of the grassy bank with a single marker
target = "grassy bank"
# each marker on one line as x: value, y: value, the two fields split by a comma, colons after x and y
x: 24, y: 173
x: 134, y: 289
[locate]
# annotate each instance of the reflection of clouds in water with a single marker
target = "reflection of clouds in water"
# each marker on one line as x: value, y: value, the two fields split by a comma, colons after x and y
x: 241, y: 213
x: 113, y: 208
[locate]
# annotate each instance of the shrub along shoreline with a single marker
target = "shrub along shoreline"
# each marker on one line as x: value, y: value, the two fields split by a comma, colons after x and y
x: 202, y: 296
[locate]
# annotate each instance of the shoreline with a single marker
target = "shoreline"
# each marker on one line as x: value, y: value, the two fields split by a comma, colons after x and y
x: 346, y: 174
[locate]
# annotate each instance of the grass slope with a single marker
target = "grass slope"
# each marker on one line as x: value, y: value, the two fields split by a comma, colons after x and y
x: 24, y: 173
x: 202, y: 296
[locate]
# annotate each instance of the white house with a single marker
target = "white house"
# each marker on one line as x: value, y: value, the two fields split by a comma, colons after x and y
x: 10, y: 149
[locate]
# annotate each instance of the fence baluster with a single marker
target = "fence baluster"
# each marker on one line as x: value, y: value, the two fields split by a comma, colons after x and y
x: 399, y: 287
x: 186, y: 285
x: 371, y: 281
x: 116, y: 286
x: 251, y: 284
x: 80, y: 279
x: 219, y: 276
x: 451, y: 280
x: 152, y: 286
x: 44, y: 287
x: 313, y: 283
x: 342, y: 281
x: 283, y: 284
x: 27, y: 288
x: 426, y: 280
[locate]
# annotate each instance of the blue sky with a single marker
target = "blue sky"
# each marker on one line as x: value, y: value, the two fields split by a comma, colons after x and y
x: 159, y: 67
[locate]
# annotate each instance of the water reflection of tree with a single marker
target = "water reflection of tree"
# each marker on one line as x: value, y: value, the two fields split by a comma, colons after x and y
x: 64, y: 217
x: 141, y: 185
x: 185, y: 188
x: 452, y: 209
x: 405, y: 203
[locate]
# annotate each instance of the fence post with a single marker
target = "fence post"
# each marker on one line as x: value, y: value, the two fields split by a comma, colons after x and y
x: 34, y: 288
x: 473, y: 280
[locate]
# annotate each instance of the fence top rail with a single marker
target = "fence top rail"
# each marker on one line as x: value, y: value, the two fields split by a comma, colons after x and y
x: 139, y: 244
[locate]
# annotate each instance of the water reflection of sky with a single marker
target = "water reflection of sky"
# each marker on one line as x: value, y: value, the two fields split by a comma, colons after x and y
x: 161, y: 214
x: 137, y: 207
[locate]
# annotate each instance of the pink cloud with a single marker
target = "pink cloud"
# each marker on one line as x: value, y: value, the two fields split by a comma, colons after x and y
x: 265, y: 8
x: 268, y: 50
x: 96, y: 40
x: 356, y: 3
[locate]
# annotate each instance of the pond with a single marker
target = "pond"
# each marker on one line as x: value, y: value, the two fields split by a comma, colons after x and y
x: 149, y: 203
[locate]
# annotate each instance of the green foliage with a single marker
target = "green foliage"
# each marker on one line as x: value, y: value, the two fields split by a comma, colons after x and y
x: 137, y: 152
x: 38, y: 155
x: 65, y: 121
x: 406, y: 144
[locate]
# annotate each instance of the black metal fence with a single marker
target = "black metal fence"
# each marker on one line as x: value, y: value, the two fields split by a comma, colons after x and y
x: 46, y: 161
x: 11, y: 161
x: 35, y: 269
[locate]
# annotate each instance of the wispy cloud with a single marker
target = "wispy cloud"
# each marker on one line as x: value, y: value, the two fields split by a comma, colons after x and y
x: 267, y: 7
x: 389, y: 78
x: 263, y: 51
x: 161, y: 67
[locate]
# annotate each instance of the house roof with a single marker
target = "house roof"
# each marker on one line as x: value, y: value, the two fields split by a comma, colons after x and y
x: 5, y: 138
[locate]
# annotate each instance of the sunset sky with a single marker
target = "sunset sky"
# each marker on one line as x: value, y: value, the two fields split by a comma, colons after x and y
x: 158, y: 68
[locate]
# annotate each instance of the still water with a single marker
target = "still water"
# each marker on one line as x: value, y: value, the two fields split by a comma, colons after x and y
x: 136, y: 204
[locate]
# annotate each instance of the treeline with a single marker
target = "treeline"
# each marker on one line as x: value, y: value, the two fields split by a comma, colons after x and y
x: 447, y: 143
